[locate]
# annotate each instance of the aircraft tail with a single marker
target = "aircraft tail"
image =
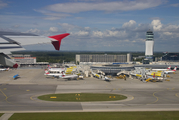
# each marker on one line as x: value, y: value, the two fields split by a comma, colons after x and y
x: 175, y: 68
x: 46, y: 71
x: 169, y: 67
x: 57, y: 40
x: 49, y: 67
x: 154, y: 75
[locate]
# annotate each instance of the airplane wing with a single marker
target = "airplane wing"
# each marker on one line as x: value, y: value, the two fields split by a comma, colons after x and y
x: 14, y: 41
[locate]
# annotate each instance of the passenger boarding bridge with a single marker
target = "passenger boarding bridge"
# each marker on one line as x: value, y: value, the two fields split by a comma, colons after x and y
x: 115, y: 70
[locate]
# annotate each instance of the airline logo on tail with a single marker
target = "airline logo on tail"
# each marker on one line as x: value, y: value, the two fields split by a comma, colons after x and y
x: 169, y: 68
x: 175, y: 68
x: 49, y: 67
x: 46, y: 72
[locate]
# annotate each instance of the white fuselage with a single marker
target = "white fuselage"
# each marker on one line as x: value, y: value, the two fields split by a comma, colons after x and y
x: 70, y: 77
x: 160, y: 69
x: 167, y: 71
x: 2, y: 69
x: 55, y: 72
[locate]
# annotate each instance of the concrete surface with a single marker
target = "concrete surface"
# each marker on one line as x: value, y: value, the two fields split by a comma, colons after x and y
x: 20, y: 95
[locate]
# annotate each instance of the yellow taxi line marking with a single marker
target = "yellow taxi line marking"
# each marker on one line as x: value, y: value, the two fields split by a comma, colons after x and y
x: 171, y: 88
x: 155, y: 97
x: 177, y: 94
x: 4, y: 95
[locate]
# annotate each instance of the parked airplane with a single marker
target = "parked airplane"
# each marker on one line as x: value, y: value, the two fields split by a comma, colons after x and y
x: 67, y: 70
x: 158, y: 74
x: 55, y: 73
x: 4, y: 69
x: 154, y: 78
x: 136, y: 74
x: 169, y: 68
x: 59, y: 72
x: 13, y: 41
x: 100, y: 76
x: 70, y: 77
x: 71, y: 70
x: 169, y: 71
x: 141, y: 72
x: 57, y: 69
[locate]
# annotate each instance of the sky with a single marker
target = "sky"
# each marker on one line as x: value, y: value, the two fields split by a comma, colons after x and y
x: 95, y: 25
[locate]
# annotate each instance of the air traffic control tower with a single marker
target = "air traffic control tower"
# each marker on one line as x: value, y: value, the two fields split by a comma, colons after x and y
x: 149, y: 45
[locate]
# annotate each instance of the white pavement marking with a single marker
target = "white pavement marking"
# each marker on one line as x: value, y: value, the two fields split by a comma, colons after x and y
x: 6, y: 116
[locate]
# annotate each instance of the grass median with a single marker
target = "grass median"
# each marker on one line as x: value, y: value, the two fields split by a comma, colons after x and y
x: 1, y: 114
x: 157, y: 115
x: 82, y: 97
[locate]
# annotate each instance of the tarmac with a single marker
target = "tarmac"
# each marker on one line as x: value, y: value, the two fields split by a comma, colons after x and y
x: 20, y: 95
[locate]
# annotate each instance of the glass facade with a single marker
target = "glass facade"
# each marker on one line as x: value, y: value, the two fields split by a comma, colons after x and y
x: 149, y: 36
x: 102, y: 58
x: 170, y: 56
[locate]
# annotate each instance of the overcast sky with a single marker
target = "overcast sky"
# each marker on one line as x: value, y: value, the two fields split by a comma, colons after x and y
x: 96, y: 25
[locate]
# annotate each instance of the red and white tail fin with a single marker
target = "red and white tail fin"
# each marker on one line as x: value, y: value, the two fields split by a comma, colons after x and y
x: 46, y: 71
x: 175, y: 68
x: 169, y: 67
x: 49, y: 67
x: 15, y: 65
x: 57, y: 40
x: 154, y: 75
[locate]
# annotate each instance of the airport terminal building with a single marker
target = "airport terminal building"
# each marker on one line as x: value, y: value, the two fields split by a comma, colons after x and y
x: 26, y: 60
x: 170, y: 56
x: 103, y: 58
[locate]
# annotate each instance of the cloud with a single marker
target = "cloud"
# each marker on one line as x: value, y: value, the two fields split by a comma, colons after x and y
x: 104, y: 6
x: 167, y: 33
x: 53, y: 29
x: 171, y: 28
x: 175, y: 5
x: 2, y: 4
x: 97, y: 34
x: 63, y: 10
x: 131, y: 24
x: 131, y: 36
x: 51, y: 15
x: 81, y: 33
x: 15, y: 26
x: 157, y: 25
x: 67, y: 26
x: 87, y: 28
x: 34, y: 31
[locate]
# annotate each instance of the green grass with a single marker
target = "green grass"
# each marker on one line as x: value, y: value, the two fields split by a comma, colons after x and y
x: 82, y: 97
x: 1, y: 114
x: 171, y: 115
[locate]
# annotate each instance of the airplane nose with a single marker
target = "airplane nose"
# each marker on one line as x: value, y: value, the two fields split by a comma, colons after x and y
x: 15, y: 65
